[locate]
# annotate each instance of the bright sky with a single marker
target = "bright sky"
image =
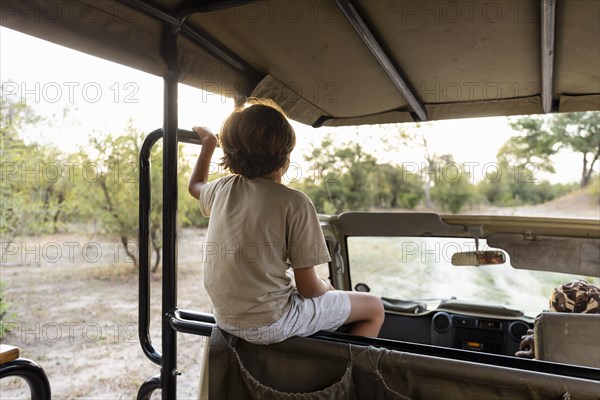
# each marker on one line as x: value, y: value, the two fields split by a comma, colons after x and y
x: 103, y: 96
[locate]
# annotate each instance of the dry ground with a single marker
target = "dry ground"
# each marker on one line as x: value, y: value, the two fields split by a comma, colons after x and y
x: 76, y: 315
x: 579, y: 204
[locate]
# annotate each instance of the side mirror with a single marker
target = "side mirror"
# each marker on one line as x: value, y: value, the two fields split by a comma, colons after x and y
x: 362, y: 287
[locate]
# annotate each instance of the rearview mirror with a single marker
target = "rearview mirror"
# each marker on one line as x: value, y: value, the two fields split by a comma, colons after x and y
x: 477, y: 258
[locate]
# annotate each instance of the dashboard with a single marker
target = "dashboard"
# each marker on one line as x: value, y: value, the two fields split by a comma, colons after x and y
x: 489, y: 333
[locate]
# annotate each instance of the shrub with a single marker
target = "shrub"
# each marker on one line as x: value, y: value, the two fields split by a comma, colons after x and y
x: 3, y: 313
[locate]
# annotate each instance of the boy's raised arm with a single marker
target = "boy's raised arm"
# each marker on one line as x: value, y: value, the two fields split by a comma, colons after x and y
x: 199, y: 175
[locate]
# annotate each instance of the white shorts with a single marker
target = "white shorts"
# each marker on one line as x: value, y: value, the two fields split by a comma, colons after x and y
x: 306, y: 317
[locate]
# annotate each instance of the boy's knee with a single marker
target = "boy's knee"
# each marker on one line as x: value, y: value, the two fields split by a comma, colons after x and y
x: 380, y: 311
x: 377, y: 308
x: 367, y: 306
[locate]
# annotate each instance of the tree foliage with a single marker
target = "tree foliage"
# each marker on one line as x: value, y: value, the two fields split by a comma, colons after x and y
x: 511, y: 185
x: 4, y: 314
x: 114, y: 189
x: 580, y: 132
x: 110, y: 184
x: 452, y: 189
x: 540, y: 137
x: 395, y: 187
x: 346, y: 177
x: 45, y: 189
x: 339, y: 177
x: 33, y: 192
x: 533, y: 146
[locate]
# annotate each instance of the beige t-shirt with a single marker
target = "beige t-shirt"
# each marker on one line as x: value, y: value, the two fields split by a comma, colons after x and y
x: 258, y: 229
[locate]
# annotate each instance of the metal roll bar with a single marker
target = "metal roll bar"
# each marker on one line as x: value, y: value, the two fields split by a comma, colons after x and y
x: 32, y: 373
x: 145, y: 199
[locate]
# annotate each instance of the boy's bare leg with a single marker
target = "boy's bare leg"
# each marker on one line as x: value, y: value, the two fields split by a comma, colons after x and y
x: 366, y: 315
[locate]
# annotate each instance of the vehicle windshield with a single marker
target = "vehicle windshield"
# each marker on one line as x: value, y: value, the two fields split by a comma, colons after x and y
x: 420, y: 268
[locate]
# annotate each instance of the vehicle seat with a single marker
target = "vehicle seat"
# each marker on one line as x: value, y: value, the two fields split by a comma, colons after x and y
x: 568, y: 338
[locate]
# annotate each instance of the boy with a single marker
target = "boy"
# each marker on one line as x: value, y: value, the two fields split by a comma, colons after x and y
x: 258, y: 229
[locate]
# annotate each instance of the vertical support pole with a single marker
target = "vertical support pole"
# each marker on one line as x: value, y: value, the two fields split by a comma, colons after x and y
x: 169, y: 255
x: 548, y: 23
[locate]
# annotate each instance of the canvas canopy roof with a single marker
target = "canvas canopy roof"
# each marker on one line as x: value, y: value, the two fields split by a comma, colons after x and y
x: 348, y: 62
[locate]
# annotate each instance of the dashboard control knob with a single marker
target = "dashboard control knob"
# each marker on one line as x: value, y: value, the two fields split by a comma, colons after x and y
x: 516, y: 329
x: 441, y: 322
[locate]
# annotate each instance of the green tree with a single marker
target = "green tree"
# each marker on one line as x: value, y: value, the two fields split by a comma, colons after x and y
x: 580, y: 132
x: 432, y: 161
x: 55, y: 187
x: 543, y: 136
x: 188, y: 211
x: 508, y: 186
x: 13, y: 151
x: 42, y: 187
x: 188, y: 208
x: 595, y: 188
x: 533, y: 146
x: 340, y: 179
x: 29, y: 197
x: 34, y: 187
x: 345, y: 176
x: 4, y: 315
x: 109, y: 184
x: 394, y: 187
x: 495, y: 186
x: 452, y: 189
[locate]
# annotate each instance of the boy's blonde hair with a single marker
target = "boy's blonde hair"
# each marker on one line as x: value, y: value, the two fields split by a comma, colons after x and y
x: 256, y: 139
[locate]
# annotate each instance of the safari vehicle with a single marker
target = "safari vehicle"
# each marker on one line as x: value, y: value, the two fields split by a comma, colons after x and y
x: 360, y: 62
